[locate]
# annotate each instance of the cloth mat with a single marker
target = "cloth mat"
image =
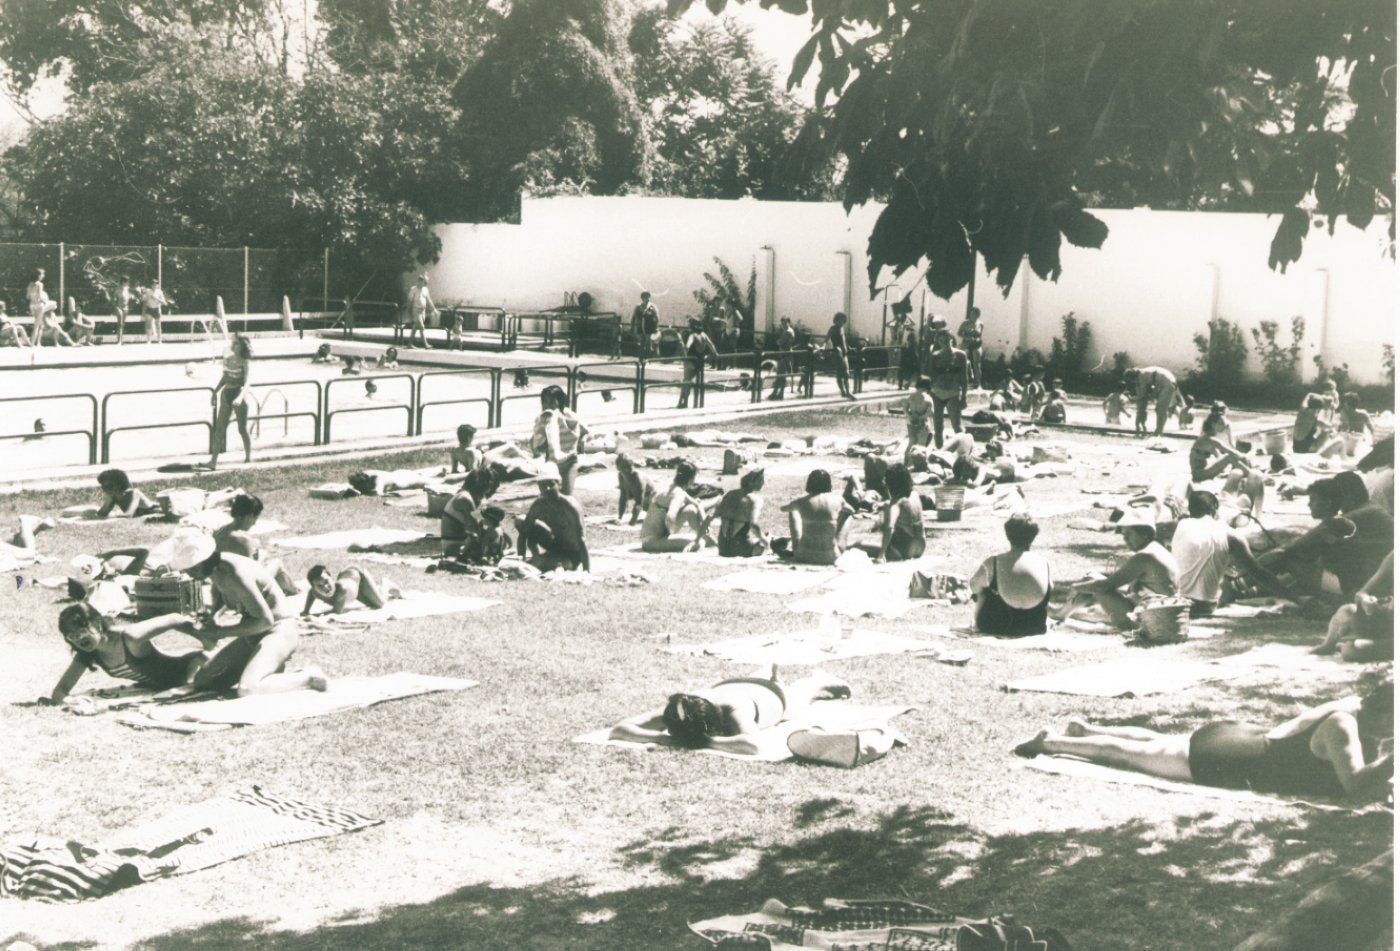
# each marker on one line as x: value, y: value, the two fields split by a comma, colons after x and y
x: 189, y: 839
x: 354, y: 536
x: 1290, y: 657
x: 343, y: 693
x: 831, y: 716
x: 421, y: 562
x: 808, y: 647
x: 1133, y: 677
x: 413, y: 604
x: 1073, y: 766
x: 771, y: 580
x: 1054, y: 641
x: 1252, y: 607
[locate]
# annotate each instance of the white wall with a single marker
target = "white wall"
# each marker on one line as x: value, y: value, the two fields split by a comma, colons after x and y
x: 1159, y: 278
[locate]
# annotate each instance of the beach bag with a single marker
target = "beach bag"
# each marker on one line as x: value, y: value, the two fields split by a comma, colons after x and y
x: 845, y: 749
x: 1163, y: 620
x: 181, y: 502
x: 951, y: 588
x: 735, y: 460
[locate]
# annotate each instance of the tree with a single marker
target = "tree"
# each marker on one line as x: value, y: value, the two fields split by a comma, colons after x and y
x: 718, y: 123
x: 549, y: 104
x: 430, y: 39
x: 982, y: 123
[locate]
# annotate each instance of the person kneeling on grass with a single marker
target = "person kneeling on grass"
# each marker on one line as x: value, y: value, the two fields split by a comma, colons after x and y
x: 1012, y: 589
x: 237, y: 538
x: 633, y: 488
x: 353, y: 586
x: 816, y: 521
x: 675, y: 520
x: 126, y: 652
x: 1150, y: 569
x: 267, y: 629
x: 1342, y: 748
x: 1364, y: 631
x: 120, y: 498
x: 725, y: 716
x: 552, y: 529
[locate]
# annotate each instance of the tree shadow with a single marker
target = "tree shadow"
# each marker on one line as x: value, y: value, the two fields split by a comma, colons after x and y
x: 1207, y: 881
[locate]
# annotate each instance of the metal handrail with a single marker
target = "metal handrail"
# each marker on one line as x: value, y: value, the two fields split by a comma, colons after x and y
x: 92, y: 445
x: 92, y: 442
x: 795, y: 362
x: 256, y: 428
x: 492, y: 373
x: 328, y: 413
x: 582, y: 377
x: 860, y: 368
x: 313, y: 416
x: 682, y: 361
x: 107, y: 434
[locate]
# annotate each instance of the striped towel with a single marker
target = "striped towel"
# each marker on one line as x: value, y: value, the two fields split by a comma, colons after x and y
x: 186, y: 840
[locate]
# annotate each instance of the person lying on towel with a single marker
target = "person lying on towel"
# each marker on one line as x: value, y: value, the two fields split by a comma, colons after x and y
x: 726, y: 716
x: 126, y: 652
x: 1341, y: 748
x: 352, y: 588
x: 1149, y: 570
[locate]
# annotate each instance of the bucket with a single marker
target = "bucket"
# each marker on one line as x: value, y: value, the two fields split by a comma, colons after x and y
x: 948, y: 502
x: 1275, y: 442
x: 1163, y: 620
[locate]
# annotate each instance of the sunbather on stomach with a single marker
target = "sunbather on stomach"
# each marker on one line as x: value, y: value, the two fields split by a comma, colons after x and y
x: 727, y: 715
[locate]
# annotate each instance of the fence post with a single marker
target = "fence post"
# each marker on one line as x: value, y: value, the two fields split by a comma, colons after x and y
x: 245, y: 284
x: 699, y: 383
x: 495, y: 413
x: 757, y: 379
x: 639, y: 399
x: 62, y: 269
x: 326, y: 279
x: 160, y: 265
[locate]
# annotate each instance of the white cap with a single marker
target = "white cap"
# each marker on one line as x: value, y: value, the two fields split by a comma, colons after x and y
x: 548, y: 471
x: 86, y: 567
x: 185, y: 549
x: 1134, y: 519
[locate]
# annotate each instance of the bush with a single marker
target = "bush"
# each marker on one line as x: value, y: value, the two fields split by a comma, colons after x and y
x: 1221, y: 359
x: 1069, y: 353
x: 1280, y: 363
x: 1340, y: 375
x: 1388, y: 361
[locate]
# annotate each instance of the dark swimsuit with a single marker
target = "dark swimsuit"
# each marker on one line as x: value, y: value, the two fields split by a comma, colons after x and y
x: 1236, y: 755
x: 995, y: 616
x: 158, y: 670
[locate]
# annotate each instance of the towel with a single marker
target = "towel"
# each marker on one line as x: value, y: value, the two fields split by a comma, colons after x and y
x: 413, y: 604
x: 365, y: 537
x: 189, y: 839
x: 771, y: 580
x: 771, y: 745
x: 1054, y: 641
x: 344, y: 693
x: 808, y: 647
x: 1135, y: 677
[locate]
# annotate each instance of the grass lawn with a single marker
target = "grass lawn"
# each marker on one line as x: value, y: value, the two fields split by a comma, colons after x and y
x: 500, y: 833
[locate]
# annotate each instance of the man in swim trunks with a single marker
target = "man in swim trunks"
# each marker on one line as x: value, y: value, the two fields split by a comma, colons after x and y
x: 1150, y: 569
x: 1152, y: 386
x: 353, y: 586
x: 552, y: 529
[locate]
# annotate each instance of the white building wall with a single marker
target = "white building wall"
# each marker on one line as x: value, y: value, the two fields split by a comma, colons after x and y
x: 1158, y: 280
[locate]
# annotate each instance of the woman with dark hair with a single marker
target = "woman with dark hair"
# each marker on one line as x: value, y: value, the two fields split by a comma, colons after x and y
x: 237, y: 538
x: 739, y: 533
x: 121, y: 498
x: 675, y: 520
x: 902, y: 531
x: 1332, y: 750
x: 557, y: 435
x: 231, y: 397
x: 1355, y: 431
x: 1012, y: 589
x: 726, y: 716
x: 815, y: 520
x: 126, y: 651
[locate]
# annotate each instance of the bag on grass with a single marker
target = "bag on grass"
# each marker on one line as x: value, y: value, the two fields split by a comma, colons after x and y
x: 951, y: 588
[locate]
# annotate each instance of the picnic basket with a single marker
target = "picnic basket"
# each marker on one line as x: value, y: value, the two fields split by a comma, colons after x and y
x: 168, y: 594
x: 1163, y: 620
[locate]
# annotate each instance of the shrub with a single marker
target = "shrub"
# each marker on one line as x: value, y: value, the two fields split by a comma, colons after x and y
x: 1121, y: 363
x: 1024, y: 361
x: 1221, y: 356
x: 1280, y: 363
x: 1069, y: 353
x: 1340, y: 375
x: 1388, y: 361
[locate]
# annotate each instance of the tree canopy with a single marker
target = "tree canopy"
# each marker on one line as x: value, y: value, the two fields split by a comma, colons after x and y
x: 984, y: 124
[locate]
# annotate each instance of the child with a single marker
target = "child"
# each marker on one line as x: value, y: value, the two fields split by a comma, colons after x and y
x: 1033, y: 393
x: 323, y: 354
x: 452, y: 323
x: 1113, y: 406
x: 488, y: 545
x: 389, y: 359
x: 352, y: 366
x: 1008, y: 397
x: 123, y: 500
x: 1184, y: 405
x: 917, y: 409
x: 1305, y: 424
x: 632, y: 488
x: 1054, y: 409
x: 465, y: 455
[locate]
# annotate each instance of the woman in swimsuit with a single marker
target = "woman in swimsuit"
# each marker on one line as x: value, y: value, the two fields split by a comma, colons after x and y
x: 1012, y: 589
x: 739, y: 533
x: 1342, y: 748
x: 816, y: 521
x: 120, y: 498
x: 231, y: 397
x: 351, y: 586
x: 902, y: 537
x: 125, y: 651
x: 727, y: 715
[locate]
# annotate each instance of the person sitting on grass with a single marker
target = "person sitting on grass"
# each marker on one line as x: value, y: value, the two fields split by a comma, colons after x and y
x: 1213, y: 457
x: 126, y: 652
x: 1012, y: 589
x: 1339, y: 555
x: 739, y: 533
x: 866, y: 492
x: 266, y: 632
x: 120, y: 498
x: 1149, y: 570
x: 633, y: 488
x: 1331, y: 750
x: 1053, y: 410
x: 237, y: 537
x: 352, y: 587
x: 488, y: 544
x: 675, y: 521
x: 552, y: 529
x: 902, y: 526
x: 1206, y: 549
x: 816, y: 521
x: 465, y: 456
x: 461, y: 517
x: 727, y: 715
x: 1364, y: 631
x: 11, y: 333
x: 1354, y: 429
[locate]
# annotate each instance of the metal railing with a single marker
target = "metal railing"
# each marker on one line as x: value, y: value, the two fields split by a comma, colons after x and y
x: 92, y: 434
x: 607, y: 378
x: 328, y: 414
x: 562, y: 374
x: 493, y: 377
x: 108, y: 431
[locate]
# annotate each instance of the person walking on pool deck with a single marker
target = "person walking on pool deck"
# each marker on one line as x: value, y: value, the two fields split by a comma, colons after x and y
x: 41, y: 308
x: 153, y: 304
x: 1150, y: 569
x: 420, y: 308
x: 1341, y: 748
x: 352, y: 587
x: 552, y: 529
x: 231, y: 398
x: 1151, y: 386
x: 675, y: 521
x: 839, y: 341
x: 1012, y: 589
x: 698, y: 347
x: 267, y: 630
x: 646, y: 325
x: 948, y: 373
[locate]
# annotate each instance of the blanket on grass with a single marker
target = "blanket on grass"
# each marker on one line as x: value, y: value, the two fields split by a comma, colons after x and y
x: 367, y: 538
x: 189, y: 839
x: 342, y: 693
x: 1083, y: 769
x: 413, y: 604
x: 808, y: 647
x: 1132, y: 677
x: 776, y: 579
x: 1054, y: 641
x: 873, y: 924
x: 829, y: 717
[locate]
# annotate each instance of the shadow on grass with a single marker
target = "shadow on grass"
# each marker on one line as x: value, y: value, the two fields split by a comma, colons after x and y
x: 1206, y: 883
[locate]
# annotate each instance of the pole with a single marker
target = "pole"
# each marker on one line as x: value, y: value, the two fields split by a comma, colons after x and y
x: 245, y: 282
x: 971, y: 289
x: 62, y: 262
x: 326, y: 280
x: 160, y: 265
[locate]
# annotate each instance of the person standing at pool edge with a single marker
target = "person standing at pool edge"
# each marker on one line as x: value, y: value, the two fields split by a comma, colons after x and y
x: 153, y: 303
x: 420, y: 305
x: 231, y: 397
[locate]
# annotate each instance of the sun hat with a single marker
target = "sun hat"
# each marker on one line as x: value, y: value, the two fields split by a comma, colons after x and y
x: 1134, y: 519
x: 86, y: 568
x: 549, y: 472
x: 185, y: 549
